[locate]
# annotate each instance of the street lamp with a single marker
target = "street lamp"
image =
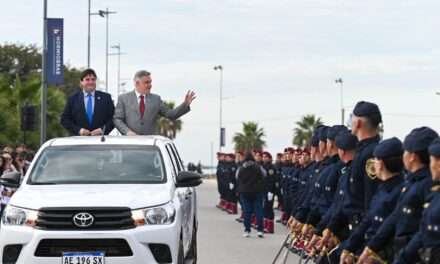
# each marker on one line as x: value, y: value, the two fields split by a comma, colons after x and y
x: 104, y: 13
x: 88, y: 36
x: 118, y: 47
x: 222, y: 132
x: 341, y: 82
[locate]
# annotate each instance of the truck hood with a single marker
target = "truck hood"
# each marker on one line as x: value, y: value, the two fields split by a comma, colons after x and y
x: 133, y: 196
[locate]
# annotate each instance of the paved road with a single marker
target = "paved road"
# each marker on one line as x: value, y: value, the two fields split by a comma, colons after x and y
x: 220, y: 238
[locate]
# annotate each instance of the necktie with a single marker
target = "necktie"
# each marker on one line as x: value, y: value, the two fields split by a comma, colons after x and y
x: 142, y: 106
x: 89, y: 108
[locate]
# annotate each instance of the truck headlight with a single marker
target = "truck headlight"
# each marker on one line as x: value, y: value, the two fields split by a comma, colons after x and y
x: 19, y: 216
x: 160, y: 215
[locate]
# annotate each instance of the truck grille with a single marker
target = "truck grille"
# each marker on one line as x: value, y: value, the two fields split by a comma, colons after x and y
x: 103, y: 218
x: 56, y: 247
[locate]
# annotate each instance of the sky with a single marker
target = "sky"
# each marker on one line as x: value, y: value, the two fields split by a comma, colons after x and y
x: 280, y: 59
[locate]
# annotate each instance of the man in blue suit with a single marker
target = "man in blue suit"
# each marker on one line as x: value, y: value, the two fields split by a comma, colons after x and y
x: 88, y: 112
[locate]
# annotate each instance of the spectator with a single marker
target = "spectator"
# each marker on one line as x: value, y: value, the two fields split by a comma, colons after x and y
x: 250, y: 180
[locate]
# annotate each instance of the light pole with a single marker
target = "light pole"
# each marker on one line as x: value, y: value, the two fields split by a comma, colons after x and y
x: 105, y: 13
x: 341, y: 82
x: 220, y: 68
x: 43, y: 78
x: 118, y: 47
x: 88, y: 36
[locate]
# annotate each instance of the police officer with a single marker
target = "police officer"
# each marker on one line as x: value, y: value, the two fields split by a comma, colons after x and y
x: 221, y: 180
x: 346, y: 144
x: 287, y: 168
x: 427, y: 240
x: 231, y: 186
x: 278, y: 181
x: 308, y: 164
x: 325, y: 185
x: 303, y: 210
x: 398, y: 229
x: 388, y: 168
x: 360, y: 187
x: 270, y: 192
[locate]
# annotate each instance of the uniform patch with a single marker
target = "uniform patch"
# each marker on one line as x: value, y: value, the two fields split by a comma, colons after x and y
x: 369, y: 169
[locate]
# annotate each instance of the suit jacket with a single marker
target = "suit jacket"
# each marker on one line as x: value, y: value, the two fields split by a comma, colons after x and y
x: 74, y: 116
x: 127, y: 116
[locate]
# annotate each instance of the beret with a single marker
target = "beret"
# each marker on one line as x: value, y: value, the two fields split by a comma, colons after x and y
x: 391, y: 147
x: 265, y: 153
x: 323, y: 133
x: 335, y: 130
x: 346, y: 141
x: 315, y: 141
x: 419, y: 139
x: 367, y: 109
x: 434, y: 148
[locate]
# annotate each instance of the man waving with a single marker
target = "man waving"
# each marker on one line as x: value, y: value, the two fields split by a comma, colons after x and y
x: 137, y: 111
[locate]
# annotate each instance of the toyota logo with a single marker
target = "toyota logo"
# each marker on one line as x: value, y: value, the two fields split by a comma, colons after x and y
x: 83, y: 219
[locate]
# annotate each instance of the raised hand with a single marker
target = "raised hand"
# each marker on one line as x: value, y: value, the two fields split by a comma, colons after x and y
x: 189, y: 97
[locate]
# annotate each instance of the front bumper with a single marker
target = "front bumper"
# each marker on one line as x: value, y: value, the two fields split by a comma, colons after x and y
x: 138, y: 239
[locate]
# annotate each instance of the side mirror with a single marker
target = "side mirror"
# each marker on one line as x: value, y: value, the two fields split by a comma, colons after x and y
x: 188, y: 179
x: 11, y: 179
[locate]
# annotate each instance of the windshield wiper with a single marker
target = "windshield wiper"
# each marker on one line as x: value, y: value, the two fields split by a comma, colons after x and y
x: 43, y: 183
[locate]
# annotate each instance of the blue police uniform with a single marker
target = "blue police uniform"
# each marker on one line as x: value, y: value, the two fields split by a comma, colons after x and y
x: 303, y: 177
x: 426, y: 241
x: 221, y: 184
x: 302, y: 212
x: 344, y: 141
x: 338, y: 200
x: 319, y: 201
x: 326, y: 184
x: 382, y: 203
x: 398, y: 229
x: 359, y: 189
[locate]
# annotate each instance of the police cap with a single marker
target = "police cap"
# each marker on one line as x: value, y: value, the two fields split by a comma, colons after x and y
x: 419, y: 139
x: 346, y: 141
x: 388, y: 148
x: 434, y: 148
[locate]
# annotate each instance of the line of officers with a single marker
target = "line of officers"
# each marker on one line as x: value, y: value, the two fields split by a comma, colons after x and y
x: 228, y: 164
x: 356, y: 199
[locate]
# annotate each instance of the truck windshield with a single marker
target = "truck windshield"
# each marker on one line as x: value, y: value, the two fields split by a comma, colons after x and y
x: 98, y: 165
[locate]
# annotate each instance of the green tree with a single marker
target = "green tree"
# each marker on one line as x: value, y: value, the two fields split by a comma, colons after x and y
x: 24, y: 60
x: 166, y: 127
x: 20, y: 84
x: 14, y: 97
x: 304, y: 130
x: 252, y: 137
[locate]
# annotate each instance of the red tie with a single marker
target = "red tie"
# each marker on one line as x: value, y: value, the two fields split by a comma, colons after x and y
x: 142, y: 106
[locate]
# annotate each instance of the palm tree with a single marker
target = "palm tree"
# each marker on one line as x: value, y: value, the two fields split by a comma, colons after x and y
x: 304, y: 130
x: 166, y: 127
x: 251, y: 138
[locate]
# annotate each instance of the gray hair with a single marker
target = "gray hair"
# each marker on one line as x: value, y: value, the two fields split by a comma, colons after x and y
x: 140, y: 74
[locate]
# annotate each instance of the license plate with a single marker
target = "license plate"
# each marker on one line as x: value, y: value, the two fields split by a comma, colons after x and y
x: 83, y: 258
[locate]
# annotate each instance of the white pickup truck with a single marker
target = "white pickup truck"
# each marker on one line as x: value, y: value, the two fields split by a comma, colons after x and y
x: 112, y: 200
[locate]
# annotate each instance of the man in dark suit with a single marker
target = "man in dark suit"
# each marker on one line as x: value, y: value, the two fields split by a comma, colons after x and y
x: 88, y: 111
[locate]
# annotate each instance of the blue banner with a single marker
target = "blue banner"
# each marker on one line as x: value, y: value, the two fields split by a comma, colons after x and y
x: 54, y: 59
